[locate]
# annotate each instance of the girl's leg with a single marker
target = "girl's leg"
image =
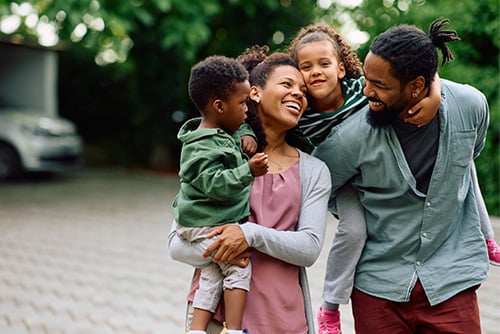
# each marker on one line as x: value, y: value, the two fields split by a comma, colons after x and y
x: 346, y: 248
x: 485, y: 222
x: 342, y: 259
x: 484, y: 218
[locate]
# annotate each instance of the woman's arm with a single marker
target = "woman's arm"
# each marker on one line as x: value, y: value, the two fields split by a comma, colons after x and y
x: 190, y: 252
x: 300, y: 247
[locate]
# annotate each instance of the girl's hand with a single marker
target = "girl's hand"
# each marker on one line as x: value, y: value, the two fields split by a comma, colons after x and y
x: 427, y: 108
x: 420, y: 114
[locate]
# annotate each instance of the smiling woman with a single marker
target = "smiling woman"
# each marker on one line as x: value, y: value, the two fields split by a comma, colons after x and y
x: 285, y: 230
x: 279, y: 101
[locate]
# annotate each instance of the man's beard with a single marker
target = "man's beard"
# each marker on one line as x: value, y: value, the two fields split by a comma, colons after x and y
x: 383, y: 118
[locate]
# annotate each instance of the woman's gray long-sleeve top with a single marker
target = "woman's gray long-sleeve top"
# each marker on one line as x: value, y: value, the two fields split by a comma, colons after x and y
x: 301, y: 247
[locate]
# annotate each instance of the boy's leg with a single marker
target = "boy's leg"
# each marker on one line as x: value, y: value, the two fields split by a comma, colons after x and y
x: 234, y: 300
x: 214, y: 327
x: 236, y: 284
x: 207, y: 297
x: 200, y: 320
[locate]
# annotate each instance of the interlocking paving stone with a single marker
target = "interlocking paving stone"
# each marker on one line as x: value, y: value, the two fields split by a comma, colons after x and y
x: 86, y: 253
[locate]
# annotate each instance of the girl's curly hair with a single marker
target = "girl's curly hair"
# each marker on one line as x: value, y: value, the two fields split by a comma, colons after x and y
x: 323, y: 32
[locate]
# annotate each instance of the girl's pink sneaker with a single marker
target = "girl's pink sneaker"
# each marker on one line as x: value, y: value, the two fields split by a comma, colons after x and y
x: 493, y: 252
x: 328, y: 322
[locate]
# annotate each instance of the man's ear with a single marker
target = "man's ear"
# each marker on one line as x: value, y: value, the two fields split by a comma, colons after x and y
x: 417, y: 86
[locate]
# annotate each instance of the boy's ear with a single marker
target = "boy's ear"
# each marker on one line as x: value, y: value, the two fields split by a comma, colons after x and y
x: 218, y: 106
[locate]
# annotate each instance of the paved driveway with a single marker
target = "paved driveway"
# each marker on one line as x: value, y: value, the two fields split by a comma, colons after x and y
x: 86, y: 253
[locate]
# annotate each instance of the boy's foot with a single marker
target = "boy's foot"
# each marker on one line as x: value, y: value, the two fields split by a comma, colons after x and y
x: 228, y: 331
x: 493, y: 252
x: 328, y: 322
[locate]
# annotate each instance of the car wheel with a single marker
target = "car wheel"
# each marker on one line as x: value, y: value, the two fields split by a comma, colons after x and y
x: 10, y: 164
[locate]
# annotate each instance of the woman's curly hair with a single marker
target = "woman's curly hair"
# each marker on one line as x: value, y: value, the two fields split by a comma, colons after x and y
x: 260, y: 65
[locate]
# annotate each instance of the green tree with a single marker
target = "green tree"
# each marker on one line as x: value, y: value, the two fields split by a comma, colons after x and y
x: 129, y: 108
x: 476, y: 62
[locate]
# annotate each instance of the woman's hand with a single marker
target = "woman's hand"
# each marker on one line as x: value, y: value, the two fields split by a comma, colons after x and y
x: 229, y: 245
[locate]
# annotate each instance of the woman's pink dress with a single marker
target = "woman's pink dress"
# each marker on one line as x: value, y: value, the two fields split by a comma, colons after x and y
x: 275, y: 303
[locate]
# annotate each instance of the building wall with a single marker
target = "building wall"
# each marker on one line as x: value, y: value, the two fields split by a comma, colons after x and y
x: 28, y: 78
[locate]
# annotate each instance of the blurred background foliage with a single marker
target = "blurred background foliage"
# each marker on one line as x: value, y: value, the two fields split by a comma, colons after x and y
x: 124, y: 64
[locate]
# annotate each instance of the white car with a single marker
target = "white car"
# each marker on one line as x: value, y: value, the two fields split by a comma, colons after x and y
x: 33, y: 142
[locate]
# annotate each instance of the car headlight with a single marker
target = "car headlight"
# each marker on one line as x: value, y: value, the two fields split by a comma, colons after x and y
x: 37, y: 131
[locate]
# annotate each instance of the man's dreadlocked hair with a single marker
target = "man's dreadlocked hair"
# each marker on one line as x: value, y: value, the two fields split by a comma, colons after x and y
x: 411, y: 52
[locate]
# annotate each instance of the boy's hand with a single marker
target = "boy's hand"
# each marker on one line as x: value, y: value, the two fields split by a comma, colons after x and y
x: 249, y: 145
x: 242, y: 260
x: 258, y: 164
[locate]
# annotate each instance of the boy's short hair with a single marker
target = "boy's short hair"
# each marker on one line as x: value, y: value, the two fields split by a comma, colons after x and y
x: 214, y: 77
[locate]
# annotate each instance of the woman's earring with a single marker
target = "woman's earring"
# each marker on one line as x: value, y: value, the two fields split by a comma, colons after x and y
x: 257, y: 101
x: 415, y: 94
